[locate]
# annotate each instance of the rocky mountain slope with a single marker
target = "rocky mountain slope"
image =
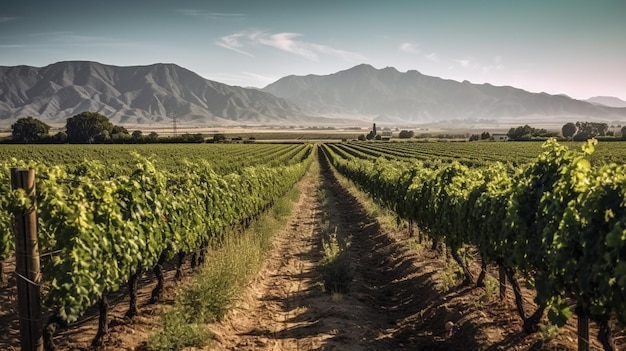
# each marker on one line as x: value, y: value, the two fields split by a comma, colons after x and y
x: 155, y: 94
x: 135, y: 95
x: 414, y: 97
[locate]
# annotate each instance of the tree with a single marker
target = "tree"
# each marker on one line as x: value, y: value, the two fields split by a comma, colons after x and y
x: 152, y: 137
x: 137, y: 134
x: 219, y: 138
x: 406, y: 134
x: 474, y: 137
x: 623, y: 132
x: 361, y: 137
x: 118, y: 130
x: 568, y: 130
x: 588, y: 130
x: 87, y: 128
x: 521, y: 133
x: 59, y: 138
x: 29, y: 129
x: 485, y: 136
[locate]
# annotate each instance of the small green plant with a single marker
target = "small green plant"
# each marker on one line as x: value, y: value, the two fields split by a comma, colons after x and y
x: 415, y: 245
x: 548, y: 331
x: 491, y: 287
x: 178, y: 334
x: 449, y: 276
x: 335, y: 266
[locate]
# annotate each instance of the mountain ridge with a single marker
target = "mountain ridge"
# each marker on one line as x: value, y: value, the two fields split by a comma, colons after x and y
x: 135, y: 95
x: 610, y: 101
x: 157, y: 93
x: 417, y: 98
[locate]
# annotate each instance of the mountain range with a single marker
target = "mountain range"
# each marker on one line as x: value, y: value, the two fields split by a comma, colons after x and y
x: 610, y: 101
x: 155, y: 94
x: 418, y: 98
x: 135, y: 95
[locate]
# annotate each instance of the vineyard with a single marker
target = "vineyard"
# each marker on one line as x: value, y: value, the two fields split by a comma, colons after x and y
x: 557, y: 221
x: 101, y: 224
x: 549, y: 217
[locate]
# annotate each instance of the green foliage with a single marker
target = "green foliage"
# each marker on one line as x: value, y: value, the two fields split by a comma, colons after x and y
x: 569, y: 129
x: 178, y: 334
x: 558, y: 220
x: 88, y: 128
x: 406, y: 134
x: 219, y: 138
x: 102, y: 223
x: 335, y: 265
x: 527, y: 132
x: 28, y: 130
x: 228, y: 267
x: 588, y: 130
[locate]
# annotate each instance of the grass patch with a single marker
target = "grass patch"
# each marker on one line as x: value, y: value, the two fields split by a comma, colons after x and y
x: 228, y: 266
x: 178, y: 333
x: 450, y: 276
x: 491, y: 287
x: 335, y: 266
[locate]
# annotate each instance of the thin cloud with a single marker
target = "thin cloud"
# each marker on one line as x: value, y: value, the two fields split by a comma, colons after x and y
x: 432, y: 57
x: 7, y: 19
x: 469, y: 63
x: 51, y: 34
x: 12, y: 46
x: 285, y: 41
x: 213, y: 15
x: 409, y: 48
x: 465, y: 63
x: 231, y: 42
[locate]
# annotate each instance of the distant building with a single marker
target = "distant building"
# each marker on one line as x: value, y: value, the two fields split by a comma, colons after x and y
x: 500, y: 137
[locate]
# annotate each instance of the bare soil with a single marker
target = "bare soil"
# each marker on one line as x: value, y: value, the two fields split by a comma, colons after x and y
x: 395, y: 301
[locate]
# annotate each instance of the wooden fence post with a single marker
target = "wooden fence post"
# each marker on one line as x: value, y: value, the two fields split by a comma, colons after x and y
x: 27, y: 264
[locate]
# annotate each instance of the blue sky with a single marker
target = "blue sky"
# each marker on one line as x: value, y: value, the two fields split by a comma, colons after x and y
x: 558, y: 46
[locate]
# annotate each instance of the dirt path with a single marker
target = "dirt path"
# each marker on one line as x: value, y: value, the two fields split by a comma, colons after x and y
x: 285, y: 307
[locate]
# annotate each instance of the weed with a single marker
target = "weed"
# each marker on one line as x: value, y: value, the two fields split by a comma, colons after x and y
x: 491, y: 287
x: 449, y: 276
x: 548, y: 332
x: 335, y: 266
x: 178, y: 334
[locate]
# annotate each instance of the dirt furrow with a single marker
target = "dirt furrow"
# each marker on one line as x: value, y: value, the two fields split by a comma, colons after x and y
x: 286, y: 308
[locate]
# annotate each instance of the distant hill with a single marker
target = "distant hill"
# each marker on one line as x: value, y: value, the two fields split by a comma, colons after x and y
x: 413, y: 97
x: 610, y: 101
x: 136, y: 95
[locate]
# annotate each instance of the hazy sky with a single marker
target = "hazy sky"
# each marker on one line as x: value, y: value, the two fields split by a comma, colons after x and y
x: 571, y: 46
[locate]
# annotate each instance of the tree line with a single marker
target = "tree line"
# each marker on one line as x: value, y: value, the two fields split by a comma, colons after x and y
x: 88, y: 128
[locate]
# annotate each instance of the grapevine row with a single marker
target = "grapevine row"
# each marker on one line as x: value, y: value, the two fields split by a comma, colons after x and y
x: 101, y: 231
x: 558, y: 221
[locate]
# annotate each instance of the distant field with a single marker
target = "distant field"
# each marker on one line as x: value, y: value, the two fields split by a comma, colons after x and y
x: 477, y: 153
x: 172, y: 155
x: 223, y: 158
